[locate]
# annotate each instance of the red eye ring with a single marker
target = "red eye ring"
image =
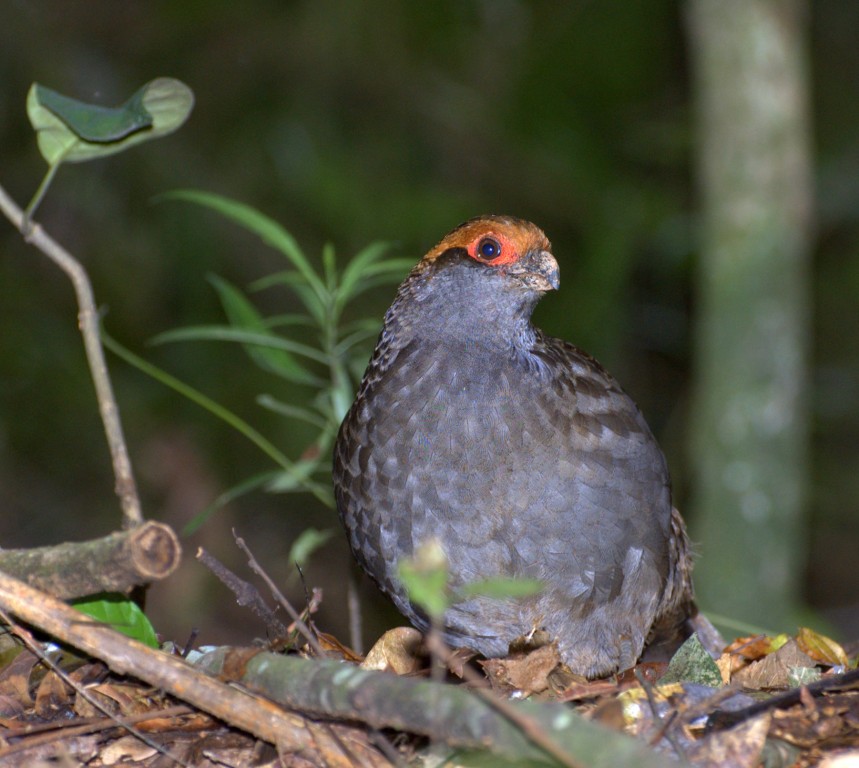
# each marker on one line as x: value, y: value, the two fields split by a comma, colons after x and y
x: 493, y: 248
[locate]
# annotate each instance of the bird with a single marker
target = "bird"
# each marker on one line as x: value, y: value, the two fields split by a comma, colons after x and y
x: 515, y: 452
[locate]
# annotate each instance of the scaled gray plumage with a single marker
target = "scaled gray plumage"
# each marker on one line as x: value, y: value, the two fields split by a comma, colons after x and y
x: 518, y: 452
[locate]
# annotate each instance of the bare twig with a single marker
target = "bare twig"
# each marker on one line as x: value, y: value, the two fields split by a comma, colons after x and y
x: 88, y: 323
x: 300, y: 625
x: 247, y: 595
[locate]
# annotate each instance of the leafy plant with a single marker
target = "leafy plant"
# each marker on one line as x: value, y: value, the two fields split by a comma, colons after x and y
x: 328, y: 357
x: 72, y: 131
x: 427, y: 578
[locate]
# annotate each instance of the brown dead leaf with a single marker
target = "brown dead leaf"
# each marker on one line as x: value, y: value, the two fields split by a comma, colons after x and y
x: 756, y: 646
x: 398, y: 650
x: 458, y: 660
x: 738, y: 747
x: 332, y: 646
x: 125, y: 750
x: 15, y: 677
x: 53, y: 696
x: 11, y: 707
x: 728, y: 664
x: 528, y: 673
x: 773, y: 671
x: 821, y: 648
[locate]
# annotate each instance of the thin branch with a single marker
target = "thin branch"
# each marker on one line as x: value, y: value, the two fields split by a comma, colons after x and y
x: 302, y: 628
x: 88, y: 323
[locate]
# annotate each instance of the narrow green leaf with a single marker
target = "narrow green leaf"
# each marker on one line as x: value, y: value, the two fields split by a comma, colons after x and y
x: 320, y: 491
x: 197, y: 397
x: 242, y: 314
x: 386, y: 273
x: 359, y: 263
x: 255, y: 341
x: 294, y: 478
x: 344, y: 345
x: 73, y: 131
x: 329, y: 266
x: 292, y: 411
x: 119, y: 612
x: 308, y: 542
x: 288, y: 321
x: 267, y: 229
x: 298, y: 285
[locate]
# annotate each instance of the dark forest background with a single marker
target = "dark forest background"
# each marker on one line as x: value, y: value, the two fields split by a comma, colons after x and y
x: 351, y: 123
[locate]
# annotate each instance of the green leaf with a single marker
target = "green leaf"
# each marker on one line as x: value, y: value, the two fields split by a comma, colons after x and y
x: 292, y: 411
x: 501, y: 587
x: 73, y: 131
x: 93, y: 123
x: 242, y: 314
x: 297, y: 284
x: 257, y: 344
x: 295, y: 478
x: 199, y: 398
x: 425, y: 577
x: 359, y: 264
x: 308, y: 541
x: 692, y: 664
x: 122, y: 614
x: 268, y: 230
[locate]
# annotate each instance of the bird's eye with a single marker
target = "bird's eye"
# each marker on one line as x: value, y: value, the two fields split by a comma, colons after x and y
x: 489, y: 248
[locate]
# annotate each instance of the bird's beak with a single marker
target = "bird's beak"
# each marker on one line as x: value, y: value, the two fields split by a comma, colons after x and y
x: 548, y: 270
x: 538, y: 270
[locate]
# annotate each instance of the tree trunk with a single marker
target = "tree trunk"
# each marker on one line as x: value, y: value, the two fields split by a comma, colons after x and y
x: 749, y: 420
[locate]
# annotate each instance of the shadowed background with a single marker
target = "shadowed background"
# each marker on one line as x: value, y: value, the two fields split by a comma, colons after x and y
x: 391, y: 121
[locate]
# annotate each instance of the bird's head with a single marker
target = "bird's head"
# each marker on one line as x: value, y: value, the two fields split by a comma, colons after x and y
x: 504, y: 245
x: 481, y: 282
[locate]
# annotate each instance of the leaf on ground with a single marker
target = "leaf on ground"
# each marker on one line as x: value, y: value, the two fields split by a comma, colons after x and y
x: 757, y: 646
x: 821, y: 648
x: 399, y: 650
x: 528, y: 673
x: 738, y: 747
x: 53, y: 696
x: 775, y: 670
x: 692, y: 664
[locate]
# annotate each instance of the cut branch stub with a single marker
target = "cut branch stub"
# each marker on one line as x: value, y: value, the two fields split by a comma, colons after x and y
x: 114, y: 563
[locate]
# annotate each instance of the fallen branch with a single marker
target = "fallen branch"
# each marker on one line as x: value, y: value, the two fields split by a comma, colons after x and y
x: 264, y: 719
x: 444, y: 713
x: 114, y: 563
x: 324, y: 689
